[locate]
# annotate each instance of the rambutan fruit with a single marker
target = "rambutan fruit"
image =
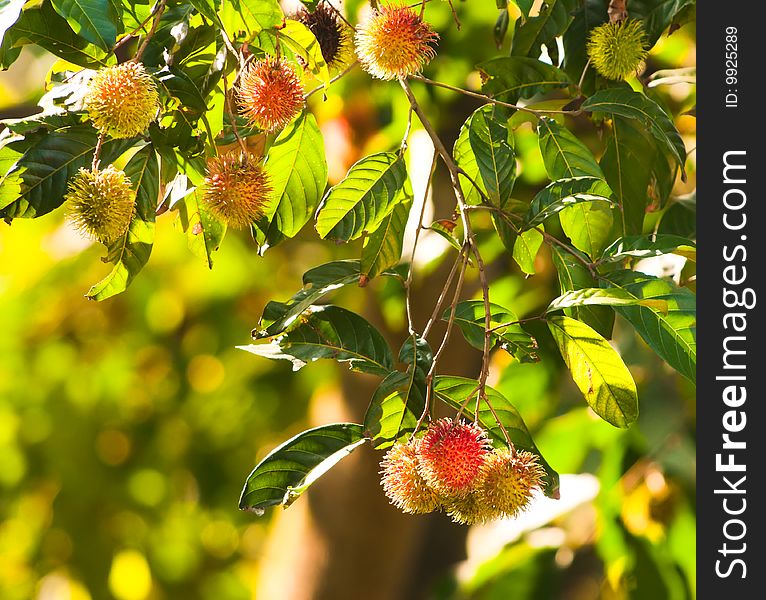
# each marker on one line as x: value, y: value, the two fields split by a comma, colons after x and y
x: 508, y: 480
x: 236, y: 188
x: 617, y: 50
x: 470, y: 509
x: 270, y: 93
x: 122, y: 100
x: 450, y: 456
x: 395, y: 43
x: 333, y: 35
x: 403, y: 483
x: 101, y: 203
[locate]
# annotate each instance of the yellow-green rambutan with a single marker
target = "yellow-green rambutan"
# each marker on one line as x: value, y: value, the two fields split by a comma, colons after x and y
x: 101, y: 203
x: 270, y: 93
x: 122, y: 100
x: 395, y: 43
x: 617, y: 50
x: 508, y: 481
x: 450, y: 455
x: 402, y: 482
x: 333, y: 35
x: 237, y: 188
x: 470, y: 509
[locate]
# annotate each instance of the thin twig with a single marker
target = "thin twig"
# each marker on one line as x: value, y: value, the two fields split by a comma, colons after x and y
x: 408, y: 281
x: 532, y: 111
x: 230, y: 110
x: 97, y: 152
x: 157, y: 16
x: 440, y: 301
x: 582, y: 77
x: 333, y: 80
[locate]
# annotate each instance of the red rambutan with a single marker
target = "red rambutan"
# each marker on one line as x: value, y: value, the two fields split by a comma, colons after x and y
x: 270, y: 93
x: 236, y: 188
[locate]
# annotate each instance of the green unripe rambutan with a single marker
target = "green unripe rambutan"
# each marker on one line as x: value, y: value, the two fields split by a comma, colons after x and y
x: 101, y: 203
x: 617, y: 50
x: 402, y: 482
x: 237, y: 188
x: 122, y: 100
x: 508, y: 481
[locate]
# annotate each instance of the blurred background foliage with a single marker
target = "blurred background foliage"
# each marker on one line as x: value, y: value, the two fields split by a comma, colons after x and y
x: 127, y: 427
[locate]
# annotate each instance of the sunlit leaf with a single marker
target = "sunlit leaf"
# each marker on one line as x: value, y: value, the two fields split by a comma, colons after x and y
x: 94, y: 20
x: 597, y: 369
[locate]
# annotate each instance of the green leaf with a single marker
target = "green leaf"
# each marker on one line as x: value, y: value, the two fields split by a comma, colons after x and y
x: 588, y: 225
x: 673, y: 336
x: 680, y: 217
x: 363, y: 199
x: 94, y: 20
x: 470, y: 317
x: 645, y: 246
x: 330, y: 332
x: 509, y: 78
x: 288, y: 470
x: 587, y: 15
x: 466, y: 160
x: 628, y: 163
x: 530, y: 34
x: 298, y: 169
x: 525, y: 249
x: 634, y: 105
x: 131, y: 252
x: 573, y: 275
x: 560, y: 194
x: 599, y: 296
x: 177, y: 84
x: 563, y: 154
x: 399, y: 401
x: 383, y: 249
x: 317, y: 282
x: 49, y: 161
x: 249, y: 16
x: 657, y: 15
x: 455, y: 390
x: 43, y: 26
x: 598, y: 370
x: 301, y: 41
x: 492, y: 146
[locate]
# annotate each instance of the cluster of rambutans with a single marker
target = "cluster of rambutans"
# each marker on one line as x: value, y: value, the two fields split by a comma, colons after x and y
x: 122, y: 101
x: 453, y: 468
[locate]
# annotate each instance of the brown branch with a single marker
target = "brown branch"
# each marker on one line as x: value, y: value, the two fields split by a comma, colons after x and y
x: 157, y: 16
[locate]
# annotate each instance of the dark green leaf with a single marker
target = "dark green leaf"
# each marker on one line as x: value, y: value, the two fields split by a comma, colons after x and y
x: 179, y: 85
x: 363, y: 199
x: 644, y: 246
x: 9, y: 14
x: 454, y: 391
x: 680, y: 217
x: 509, y: 78
x: 466, y: 160
x: 330, y: 332
x: 530, y: 34
x: 383, y: 248
x: 628, y: 165
x: 298, y: 169
x: 50, y: 160
x: 316, y: 283
x: 131, y: 252
x: 587, y: 15
x: 94, y: 20
x: 288, y: 470
x: 43, y: 26
x: 399, y: 401
x: 657, y: 15
x: 573, y: 275
x: 492, y: 145
x: 563, y: 154
x: 634, y: 105
x: 673, y: 336
x: 564, y: 193
x: 470, y: 317
x: 598, y: 370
